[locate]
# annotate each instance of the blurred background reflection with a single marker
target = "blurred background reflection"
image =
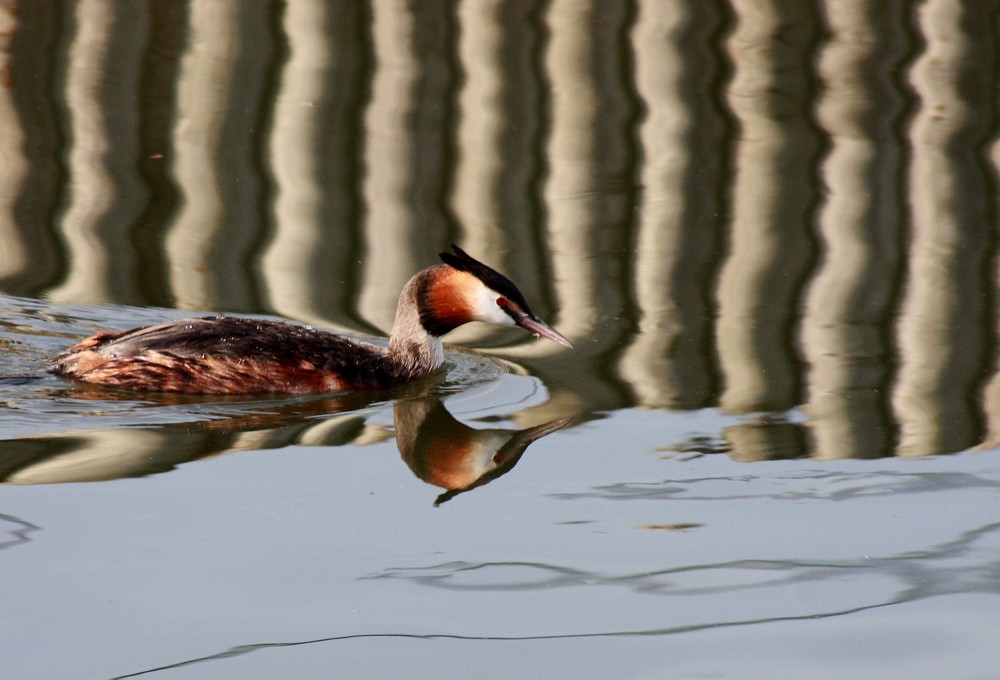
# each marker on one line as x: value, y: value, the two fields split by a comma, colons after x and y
x: 782, y: 209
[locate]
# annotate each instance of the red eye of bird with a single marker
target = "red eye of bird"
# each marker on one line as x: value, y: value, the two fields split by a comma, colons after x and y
x: 502, y: 301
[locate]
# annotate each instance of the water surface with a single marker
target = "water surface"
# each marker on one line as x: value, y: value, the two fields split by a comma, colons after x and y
x: 769, y: 230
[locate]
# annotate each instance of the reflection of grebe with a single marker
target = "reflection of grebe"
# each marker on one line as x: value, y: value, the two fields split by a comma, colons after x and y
x: 438, y: 448
x: 227, y: 355
x: 445, y: 452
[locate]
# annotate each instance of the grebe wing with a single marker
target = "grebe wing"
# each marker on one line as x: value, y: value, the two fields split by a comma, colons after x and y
x: 224, y: 355
x: 219, y: 336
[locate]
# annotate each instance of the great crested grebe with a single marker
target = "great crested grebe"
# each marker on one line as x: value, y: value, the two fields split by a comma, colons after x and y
x: 232, y: 355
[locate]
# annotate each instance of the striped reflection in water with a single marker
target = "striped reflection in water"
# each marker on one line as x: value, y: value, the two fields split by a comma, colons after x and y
x: 438, y: 448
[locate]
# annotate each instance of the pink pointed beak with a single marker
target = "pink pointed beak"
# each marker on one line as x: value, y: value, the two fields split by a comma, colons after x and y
x: 542, y: 329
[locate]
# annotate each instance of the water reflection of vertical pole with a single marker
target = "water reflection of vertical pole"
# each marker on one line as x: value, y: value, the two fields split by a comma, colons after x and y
x: 670, y: 362
x: 942, y: 340
x: 105, y: 193
x: 499, y: 129
x: 15, y: 167
x: 589, y: 189
x: 29, y: 172
x: 500, y: 109
x: 773, y: 196
x: 406, y: 128
x: 314, y: 150
x: 157, y: 115
x: 215, y: 142
x: 991, y: 395
x: 845, y: 335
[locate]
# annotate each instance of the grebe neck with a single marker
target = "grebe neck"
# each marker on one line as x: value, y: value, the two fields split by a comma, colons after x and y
x: 412, y: 348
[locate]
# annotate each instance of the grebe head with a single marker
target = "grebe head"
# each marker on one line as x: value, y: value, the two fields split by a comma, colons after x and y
x: 467, y: 290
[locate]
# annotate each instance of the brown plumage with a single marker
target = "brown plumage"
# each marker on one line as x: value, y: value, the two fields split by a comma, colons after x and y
x: 227, y: 355
x: 234, y: 355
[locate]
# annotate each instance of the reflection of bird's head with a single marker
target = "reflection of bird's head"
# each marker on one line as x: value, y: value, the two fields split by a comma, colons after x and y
x: 446, y: 453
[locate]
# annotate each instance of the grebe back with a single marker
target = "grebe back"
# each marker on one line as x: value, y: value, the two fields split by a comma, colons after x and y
x: 236, y: 355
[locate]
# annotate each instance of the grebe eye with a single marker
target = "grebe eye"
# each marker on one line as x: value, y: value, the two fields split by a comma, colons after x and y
x: 502, y: 301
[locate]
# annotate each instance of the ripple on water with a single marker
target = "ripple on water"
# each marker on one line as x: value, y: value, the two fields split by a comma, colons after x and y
x: 33, y: 402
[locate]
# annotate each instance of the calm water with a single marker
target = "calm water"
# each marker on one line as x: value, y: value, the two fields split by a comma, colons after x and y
x: 770, y: 230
